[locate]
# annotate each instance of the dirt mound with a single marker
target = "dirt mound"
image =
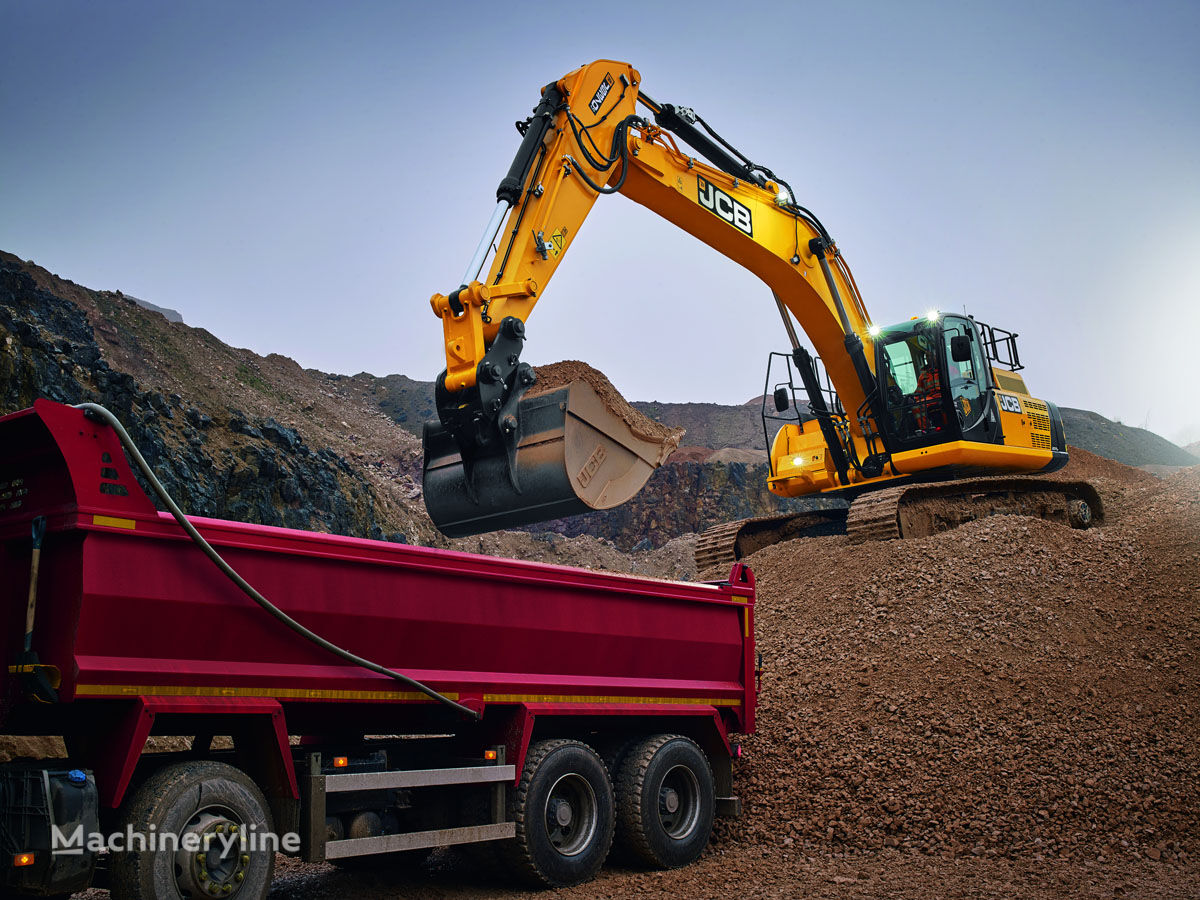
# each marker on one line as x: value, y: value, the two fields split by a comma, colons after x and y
x: 1085, y: 466
x: 690, y: 454
x: 739, y: 455
x: 674, y: 560
x: 1011, y: 688
x: 560, y: 374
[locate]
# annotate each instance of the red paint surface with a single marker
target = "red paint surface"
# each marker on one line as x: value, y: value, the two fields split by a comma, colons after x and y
x: 144, y: 609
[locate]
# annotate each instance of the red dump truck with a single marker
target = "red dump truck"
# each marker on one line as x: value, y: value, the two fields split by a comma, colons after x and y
x: 556, y: 709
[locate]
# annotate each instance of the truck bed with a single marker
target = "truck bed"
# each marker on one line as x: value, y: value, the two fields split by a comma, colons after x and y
x: 129, y: 607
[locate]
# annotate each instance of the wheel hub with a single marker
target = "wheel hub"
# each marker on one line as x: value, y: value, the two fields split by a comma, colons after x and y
x: 679, y: 802
x: 563, y: 814
x: 571, y: 815
x: 218, y: 868
x: 670, y: 800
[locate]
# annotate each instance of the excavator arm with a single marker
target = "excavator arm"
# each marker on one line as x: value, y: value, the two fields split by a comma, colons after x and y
x: 585, y: 139
x: 490, y: 462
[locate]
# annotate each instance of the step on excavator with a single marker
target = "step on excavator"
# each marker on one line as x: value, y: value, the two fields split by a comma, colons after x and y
x: 921, y: 426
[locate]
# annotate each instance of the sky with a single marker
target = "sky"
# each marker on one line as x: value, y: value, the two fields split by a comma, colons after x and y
x: 299, y: 178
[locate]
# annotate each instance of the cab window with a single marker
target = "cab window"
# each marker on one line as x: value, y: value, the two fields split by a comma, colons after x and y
x: 913, y: 388
x: 965, y: 378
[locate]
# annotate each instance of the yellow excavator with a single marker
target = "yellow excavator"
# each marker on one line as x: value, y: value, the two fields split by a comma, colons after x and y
x: 923, y: 425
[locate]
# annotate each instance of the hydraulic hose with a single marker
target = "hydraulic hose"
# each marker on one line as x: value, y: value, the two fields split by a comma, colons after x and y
x: 95, y: 411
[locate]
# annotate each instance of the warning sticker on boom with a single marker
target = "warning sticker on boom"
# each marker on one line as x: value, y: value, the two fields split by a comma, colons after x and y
x: 558, y: 240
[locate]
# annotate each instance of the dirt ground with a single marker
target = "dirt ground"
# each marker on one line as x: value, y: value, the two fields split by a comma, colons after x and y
x: 1004, y: 710
x: 740, y: 871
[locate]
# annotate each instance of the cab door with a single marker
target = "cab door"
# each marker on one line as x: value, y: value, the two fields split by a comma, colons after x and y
x: 968, y: 389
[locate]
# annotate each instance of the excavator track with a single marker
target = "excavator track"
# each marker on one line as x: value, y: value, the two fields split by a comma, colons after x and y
x: 907, y: 511
x: 718, y: 548
x: 919, y: 510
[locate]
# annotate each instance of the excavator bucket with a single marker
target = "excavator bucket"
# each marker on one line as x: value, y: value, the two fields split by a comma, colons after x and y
x: 575, y: 454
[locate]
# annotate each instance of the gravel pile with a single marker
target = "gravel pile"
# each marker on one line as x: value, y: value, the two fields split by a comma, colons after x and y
x: 1012, y: 688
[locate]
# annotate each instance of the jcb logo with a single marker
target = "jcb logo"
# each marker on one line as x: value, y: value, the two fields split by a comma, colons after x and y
x: 717, y: 201
x: 591, y: 467
x: 1009, y: 404
x: 601, y: 93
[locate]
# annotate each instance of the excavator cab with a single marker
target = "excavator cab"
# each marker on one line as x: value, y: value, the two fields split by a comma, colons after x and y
x: 933, y: 381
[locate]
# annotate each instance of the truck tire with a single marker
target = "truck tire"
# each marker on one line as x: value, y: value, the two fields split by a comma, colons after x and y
x: 613, y: 752
x: 665, y: 802
x: 563, y: 809
x: 203, y: 798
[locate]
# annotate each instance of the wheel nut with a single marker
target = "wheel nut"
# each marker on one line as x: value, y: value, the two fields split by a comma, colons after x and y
x: 226, y: 888
x: 233, y: 829
x: 200, y: 857
x: 245, y: 859
x: 203, y: 876
x: 240, y: 876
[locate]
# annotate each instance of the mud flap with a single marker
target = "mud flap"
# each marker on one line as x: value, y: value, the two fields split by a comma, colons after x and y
x: 574, y: 456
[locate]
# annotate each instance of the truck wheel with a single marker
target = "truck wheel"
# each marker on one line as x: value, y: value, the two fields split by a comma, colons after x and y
x: 563, y: 808
x: 210, y: 801
x: 665, y: 801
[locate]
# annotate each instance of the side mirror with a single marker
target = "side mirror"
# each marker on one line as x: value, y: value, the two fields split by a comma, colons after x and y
x: 781, y: 399
x: 960, y: 348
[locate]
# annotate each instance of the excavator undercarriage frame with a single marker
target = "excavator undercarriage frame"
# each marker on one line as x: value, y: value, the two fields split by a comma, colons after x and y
x: 908, y: 511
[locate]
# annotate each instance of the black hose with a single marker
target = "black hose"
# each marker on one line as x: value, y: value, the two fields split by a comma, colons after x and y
x: 94, y: 410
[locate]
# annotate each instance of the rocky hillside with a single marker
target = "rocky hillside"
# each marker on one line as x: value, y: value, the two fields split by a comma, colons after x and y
x: 257, y: 438
x: 235, y: 435
x: 713, y: 426
x: 682, y: 497
x: 230, y: 434
x: 1132, y: 446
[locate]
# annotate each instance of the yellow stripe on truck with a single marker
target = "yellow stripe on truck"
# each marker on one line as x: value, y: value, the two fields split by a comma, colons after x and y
x: 172, y: 690
x: 568, y: 698
x: 136, y: 690
x: 114, y: 522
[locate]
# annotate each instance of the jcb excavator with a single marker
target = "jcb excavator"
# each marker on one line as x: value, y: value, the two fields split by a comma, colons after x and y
x: 911, y: 416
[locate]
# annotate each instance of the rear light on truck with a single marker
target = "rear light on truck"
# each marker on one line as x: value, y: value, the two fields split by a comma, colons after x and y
x: 20, y: 860
x: 340, y: 762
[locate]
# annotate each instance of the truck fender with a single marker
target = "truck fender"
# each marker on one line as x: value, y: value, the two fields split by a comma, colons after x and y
x: 257, y: 726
